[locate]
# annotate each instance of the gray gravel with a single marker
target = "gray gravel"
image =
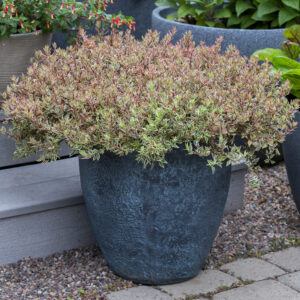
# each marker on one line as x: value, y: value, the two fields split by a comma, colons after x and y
x: 269, y: 222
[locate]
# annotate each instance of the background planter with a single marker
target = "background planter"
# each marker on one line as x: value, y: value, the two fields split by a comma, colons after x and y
x: 154, y: 226
x: 16, y: 52
x: 247, y: 41
x: 291, y: 152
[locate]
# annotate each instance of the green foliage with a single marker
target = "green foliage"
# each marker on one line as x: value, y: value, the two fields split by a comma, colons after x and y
x: 23, y: 16
x: 115, y: 93
x: 286, y: 60
x: 245, y: 14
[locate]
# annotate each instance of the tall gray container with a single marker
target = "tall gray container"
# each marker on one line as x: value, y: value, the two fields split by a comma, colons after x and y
x: 246, y: 40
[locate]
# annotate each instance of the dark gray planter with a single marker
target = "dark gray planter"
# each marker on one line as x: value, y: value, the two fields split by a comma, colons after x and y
x: 154, y: 226
x: 246, y: 40
x: 140, y: 10
x: 16, y: 52
x: 291, y: 152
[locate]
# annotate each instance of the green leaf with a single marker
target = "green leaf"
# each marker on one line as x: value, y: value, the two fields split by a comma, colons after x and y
x: 267, y: 54
x: 275, y: 23
x: 185, y: 10
x: 241, y: 6
x: 284, y: 63
x: 172, y: 16
x: 268, y: 7
x: 210, y: 23
x: 293, y: 34
x: 223, y: 13
x: 291, y: 49
x: 296, y: 93
x: 264, y: 18
x: 247, y: 21
x: 199, y: 11
x: 234, y: 20
x: 171, y: 3
x: 286, y: 14
x: 294, y: 77
x: 292, y: 3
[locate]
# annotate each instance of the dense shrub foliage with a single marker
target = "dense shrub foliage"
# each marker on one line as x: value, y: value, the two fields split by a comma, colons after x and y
x: 117, y: 94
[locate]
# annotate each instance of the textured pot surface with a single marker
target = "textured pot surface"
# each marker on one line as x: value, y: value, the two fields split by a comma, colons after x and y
x: 291, y: 152
x: 154, y: 226
x: 16, y: 52
x: 246, y: 40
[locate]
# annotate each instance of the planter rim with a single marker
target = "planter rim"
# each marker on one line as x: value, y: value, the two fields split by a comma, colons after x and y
x: 39, y: 32
x: 157, y: 14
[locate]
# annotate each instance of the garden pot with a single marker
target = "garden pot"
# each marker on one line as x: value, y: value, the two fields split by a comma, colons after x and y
x: 154, y: 226
x: 246, y: 40
x: 16, y: 52
x: 291, y: 152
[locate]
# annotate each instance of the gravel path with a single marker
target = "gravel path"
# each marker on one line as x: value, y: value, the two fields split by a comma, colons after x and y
x: 269, y: 222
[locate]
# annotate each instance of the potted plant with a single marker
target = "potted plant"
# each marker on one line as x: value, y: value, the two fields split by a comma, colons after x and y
x: 287, y: 62
x: 155, y: 125
x: 249, y: 25
x: 26, y: 26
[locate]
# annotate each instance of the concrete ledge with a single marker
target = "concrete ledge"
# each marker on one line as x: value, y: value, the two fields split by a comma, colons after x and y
x: 42, y: 209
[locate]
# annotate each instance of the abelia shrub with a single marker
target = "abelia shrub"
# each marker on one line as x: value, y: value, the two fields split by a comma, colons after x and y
x: 114, y: 93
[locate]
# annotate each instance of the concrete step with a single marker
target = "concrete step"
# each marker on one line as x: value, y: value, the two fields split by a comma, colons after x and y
x: 42, y: 209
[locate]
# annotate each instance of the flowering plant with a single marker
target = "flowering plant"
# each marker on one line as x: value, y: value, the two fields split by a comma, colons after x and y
x: 23, y: 16
x: 114, y: 93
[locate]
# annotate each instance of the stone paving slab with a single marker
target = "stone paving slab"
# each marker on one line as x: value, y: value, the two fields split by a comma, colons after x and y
x: 139, y: 293
x: 206, y: 282
x: 252, y: 269
x: 292, y: 280
x: 289, y: 259
x: 261, y: 290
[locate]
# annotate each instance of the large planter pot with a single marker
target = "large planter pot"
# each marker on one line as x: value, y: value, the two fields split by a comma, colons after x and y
x: 16, y: 52
x: 246, y: 40
x: 291, y: 152
x: 154, y: 226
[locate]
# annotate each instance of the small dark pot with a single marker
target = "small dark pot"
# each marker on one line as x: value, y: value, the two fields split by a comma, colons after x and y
x: 291, y: 152
x: 261, y: 155
x: 277, y: 158
x: 154, y: 226
x: 246, y: 40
